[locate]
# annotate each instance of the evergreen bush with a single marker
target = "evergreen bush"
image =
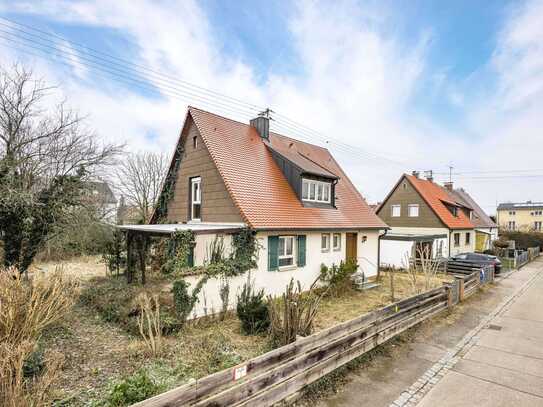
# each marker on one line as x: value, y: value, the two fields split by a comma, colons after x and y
x: 252, y: 310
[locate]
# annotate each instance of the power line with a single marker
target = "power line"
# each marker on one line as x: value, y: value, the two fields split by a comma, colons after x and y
x: 110, y: 57
x: 168, y: 85
x: 490, y: 171
x: 137, y: 83
x: 82, y: 60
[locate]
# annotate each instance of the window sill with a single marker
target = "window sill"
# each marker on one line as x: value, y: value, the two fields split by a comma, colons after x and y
x: 338, y: 249
x: 287, y: 268
x: 325, y: 250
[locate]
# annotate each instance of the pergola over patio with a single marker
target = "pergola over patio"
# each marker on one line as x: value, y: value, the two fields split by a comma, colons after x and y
x: 137, y: 239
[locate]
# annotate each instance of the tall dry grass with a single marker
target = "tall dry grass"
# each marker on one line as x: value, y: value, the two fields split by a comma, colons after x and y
x: 27, y: 308
x: 149, y: 323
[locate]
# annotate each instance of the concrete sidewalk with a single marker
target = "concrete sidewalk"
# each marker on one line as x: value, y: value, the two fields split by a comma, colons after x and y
x: 504, y: 363
x: 388, y: 380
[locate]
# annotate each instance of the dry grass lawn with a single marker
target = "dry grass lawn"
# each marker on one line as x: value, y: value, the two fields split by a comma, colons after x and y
x: 98, y: 353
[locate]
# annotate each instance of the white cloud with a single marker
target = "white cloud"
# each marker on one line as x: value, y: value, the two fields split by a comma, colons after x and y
x: 358, y: 86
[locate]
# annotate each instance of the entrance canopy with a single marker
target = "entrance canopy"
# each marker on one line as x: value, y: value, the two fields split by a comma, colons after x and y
x: 412, y: 237
x: 196, y: 227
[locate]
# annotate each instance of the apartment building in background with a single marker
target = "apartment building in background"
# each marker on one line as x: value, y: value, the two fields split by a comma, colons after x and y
x: 524, y: 216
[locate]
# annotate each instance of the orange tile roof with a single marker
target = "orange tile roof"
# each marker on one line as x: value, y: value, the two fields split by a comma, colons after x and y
x: 260, y: 190
x: 435, y: 196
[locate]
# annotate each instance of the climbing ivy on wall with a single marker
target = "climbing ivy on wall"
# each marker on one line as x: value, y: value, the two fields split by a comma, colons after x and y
x: 243, y: 257
x: 178, y: 253
x: 245, y: 249
x: 161, y: 211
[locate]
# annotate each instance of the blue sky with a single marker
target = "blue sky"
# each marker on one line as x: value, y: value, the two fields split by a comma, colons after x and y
x: 405, y: 84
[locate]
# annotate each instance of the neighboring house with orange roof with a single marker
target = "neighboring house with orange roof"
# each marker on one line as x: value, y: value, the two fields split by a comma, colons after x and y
x: 423, y: 214
x: 294, y: 195
x: 486, y: 230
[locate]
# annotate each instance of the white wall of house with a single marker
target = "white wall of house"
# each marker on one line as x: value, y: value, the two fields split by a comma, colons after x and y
x: 394, y: 252
x: 274, y: 282
x: 462, y: 247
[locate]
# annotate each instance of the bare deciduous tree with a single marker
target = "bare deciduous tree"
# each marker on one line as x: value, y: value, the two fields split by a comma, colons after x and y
x: 46, y: 155
x: 140, y: 178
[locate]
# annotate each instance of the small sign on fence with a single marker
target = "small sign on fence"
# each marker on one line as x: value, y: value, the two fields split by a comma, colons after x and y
x: 240, y: 372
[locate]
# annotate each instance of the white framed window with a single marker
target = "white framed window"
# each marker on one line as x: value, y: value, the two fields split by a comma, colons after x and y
x: 325, y: 242
x: 511, y: 225
x: 396, y: 210
x: 456, y: 239
x: 195, y: 142
x: 336, y: 241
x: 285, y: 251
x: 468, y: 238
x: 195, y: 198
x: 316, y: 191
x: 537, y: 225
x: 413, y: 210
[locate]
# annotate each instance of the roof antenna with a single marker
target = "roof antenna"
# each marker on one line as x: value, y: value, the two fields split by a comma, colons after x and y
x: 266, y: 113
x: 450, y: 172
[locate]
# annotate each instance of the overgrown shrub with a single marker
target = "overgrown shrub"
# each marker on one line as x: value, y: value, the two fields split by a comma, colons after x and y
x: 293, y: 313
x: 523, y: 240
x: 26, y: 310
x: 149, y: 322
x: 131, y: 389
x: 252, y: 309
x: 113, y: 300
x: 183, y: 300
x: 85, y: 235
x: 224, y: 293
x: 338, y: 278
x: 114, y: 254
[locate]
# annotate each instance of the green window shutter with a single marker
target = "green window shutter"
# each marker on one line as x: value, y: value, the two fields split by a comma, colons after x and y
x: 190, y: 259
x: 301, y: 250
x: 273, y: 260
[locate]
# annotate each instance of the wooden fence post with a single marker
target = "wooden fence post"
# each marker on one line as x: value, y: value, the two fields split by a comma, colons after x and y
x: 449, y: 297
x: 460, y: 281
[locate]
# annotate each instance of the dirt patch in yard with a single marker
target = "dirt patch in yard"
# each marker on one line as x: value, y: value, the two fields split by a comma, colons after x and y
x: 83, y: 268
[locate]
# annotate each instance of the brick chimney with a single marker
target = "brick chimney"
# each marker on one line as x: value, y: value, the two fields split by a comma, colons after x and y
x: 448, y: 185
x: 429, y: 175
x: 262, y: 124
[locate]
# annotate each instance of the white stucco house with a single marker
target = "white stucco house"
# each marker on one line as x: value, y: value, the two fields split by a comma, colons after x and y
x: 293, y: 195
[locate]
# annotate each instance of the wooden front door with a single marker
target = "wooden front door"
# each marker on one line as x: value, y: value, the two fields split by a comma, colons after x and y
x: 350, y: 247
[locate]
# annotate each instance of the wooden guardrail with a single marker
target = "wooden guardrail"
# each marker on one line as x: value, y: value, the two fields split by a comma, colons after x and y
x: 275, y: 375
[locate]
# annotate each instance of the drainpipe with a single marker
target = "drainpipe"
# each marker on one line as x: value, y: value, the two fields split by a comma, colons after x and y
x: 379, y: 254
x: 449, y: 243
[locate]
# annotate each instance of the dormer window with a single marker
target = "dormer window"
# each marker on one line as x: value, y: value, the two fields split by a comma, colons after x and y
x: 452, y: 209
x: 316, y: 191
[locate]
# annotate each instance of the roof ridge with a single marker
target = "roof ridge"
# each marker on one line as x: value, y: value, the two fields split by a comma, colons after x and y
x: 245, y: 124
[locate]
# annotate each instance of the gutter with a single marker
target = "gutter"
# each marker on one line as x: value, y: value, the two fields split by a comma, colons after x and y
x: 378, y: 277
